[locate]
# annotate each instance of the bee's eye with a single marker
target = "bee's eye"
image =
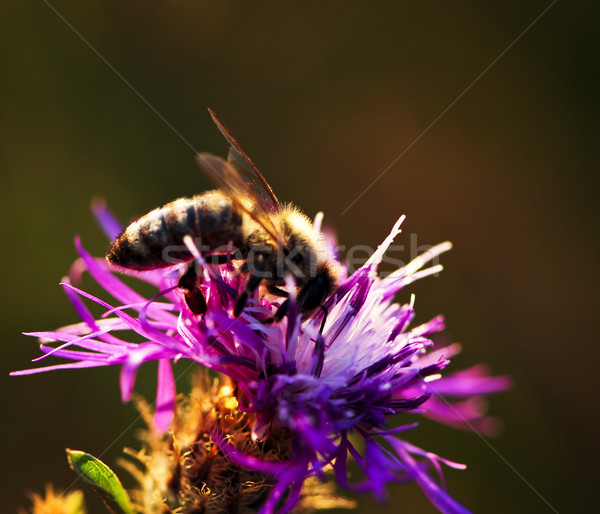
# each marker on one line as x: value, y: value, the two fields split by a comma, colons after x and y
x: 297, y: 258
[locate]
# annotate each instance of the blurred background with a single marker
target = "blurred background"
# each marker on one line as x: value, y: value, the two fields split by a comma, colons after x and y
x: 498, y: 155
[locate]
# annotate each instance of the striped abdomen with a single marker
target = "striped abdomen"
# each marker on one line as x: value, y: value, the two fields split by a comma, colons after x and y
x: 156, y: 239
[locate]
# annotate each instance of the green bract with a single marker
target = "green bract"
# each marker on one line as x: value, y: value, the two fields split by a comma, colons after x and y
x: 102, y: 479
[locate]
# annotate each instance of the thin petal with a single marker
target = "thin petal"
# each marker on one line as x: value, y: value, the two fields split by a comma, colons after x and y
x: 438, y: 496
x: 165, y: 396
x: 68, y: 365
x: 107, y: 221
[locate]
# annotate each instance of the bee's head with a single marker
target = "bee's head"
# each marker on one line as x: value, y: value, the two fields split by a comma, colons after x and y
x: 314, y: 293
x: 306, y: 259
x: 300, y: 250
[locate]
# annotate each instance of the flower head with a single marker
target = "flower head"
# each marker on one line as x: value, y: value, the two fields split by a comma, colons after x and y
x: 326, y: 380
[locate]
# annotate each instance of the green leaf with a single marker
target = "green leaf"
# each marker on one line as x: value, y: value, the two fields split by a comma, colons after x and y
x: 102, y: 479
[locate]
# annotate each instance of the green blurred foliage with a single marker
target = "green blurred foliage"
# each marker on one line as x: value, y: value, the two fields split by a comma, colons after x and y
x: 324, y: 96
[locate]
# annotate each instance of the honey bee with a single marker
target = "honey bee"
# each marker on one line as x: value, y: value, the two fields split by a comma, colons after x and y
x: 243, y: 220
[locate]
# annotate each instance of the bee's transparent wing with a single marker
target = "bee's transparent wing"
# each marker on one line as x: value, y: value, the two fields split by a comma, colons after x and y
x: 240, y: 161
x: 229, y: 180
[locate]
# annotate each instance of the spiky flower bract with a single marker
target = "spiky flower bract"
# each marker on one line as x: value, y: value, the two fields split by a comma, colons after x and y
x: 187, y: 472
x: 52, y: 502
x: 323, y: 382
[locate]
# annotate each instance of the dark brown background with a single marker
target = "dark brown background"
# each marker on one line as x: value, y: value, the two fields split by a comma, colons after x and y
x: 324, y: 97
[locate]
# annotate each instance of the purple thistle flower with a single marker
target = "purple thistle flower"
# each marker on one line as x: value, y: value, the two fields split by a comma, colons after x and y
x: 326, y: 379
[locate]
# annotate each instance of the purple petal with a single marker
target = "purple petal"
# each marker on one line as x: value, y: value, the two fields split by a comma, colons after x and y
x: 465, y: 415
x: 82, y: 356
x: 134, y: 360
x: 165, y: 396
x: 107, y: 221
x: 86, y: 316
x: 438, y: 496
x: 80, y: 329
x: 86, y: 342
x: 150, y: 332
x: 470, y: 382
x: 290, y: 481
x: 68, y: 365
x: 117, y: 288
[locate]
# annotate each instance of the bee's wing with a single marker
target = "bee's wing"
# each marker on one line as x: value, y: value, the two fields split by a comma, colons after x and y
x: 239, y: 160
x: 228, y: 179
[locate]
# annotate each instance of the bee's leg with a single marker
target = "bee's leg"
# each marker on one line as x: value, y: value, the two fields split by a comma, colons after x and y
x: 193, y: 294
x: 320, y: 346
x: 217, y: 258
x: 280, y: 313
x: 251, y: 285
x: 276, y: 291
x: 283, y: 308
x: 325, y: 313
